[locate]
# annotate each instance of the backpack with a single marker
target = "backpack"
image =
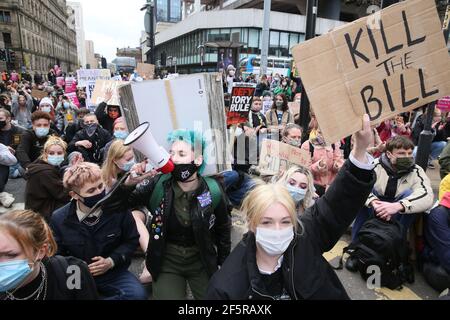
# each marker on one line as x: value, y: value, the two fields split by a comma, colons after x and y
x: 380, y: 243
x: 158, y: 192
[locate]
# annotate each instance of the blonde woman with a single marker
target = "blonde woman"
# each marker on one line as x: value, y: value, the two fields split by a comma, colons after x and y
x: 300, y: 184
x: 28, y: 268
x: 119, y: 161
x: 281, y: 255
x: 44, y: 192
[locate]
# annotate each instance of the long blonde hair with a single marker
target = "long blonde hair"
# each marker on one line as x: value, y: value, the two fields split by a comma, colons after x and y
x: 283, y: 179
x: 110, y: 170
x: 262, y: 197
x: 30, y: 230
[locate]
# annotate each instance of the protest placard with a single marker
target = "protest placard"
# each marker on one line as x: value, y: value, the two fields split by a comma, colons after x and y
x: 444, y: 104
x: 60, y: 82
x: 38, y: 94
x: 71, y: 85
x: 73, y: 97
x: 87, y: 79
x: 390, y: 62
x: 240, y: 103
x: 277, y: 157
x: 146, y: 70
x: 101, y: 86
x: 163, y: 105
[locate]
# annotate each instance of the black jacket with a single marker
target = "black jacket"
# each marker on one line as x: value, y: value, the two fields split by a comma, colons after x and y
x: 100, y: 138
x: 12, y: 137
x: 306, y: 273
x: 212, y: 229
x: 44, y: 192
x: 115, y: 236
x: 30, y: 147
x: 104, y: 119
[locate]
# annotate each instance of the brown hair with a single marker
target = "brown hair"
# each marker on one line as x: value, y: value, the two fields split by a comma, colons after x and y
x: 30, y: 230
x: 399, y: 142
x: 37, y: 115
x: 285, y: 102
x: 256, y: 99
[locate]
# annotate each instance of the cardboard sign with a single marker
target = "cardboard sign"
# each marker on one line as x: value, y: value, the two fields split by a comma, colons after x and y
x: 86, y: 76
x: 163, y: 104
x: 294, y: 108
x: 267, y: 105
x: 146, y: 70
x: 240, y: 103
x: 444, y: 104
x: 277, y: 156
x: 38, y: 94
x: 101, y: 86
x: 73, y: 97
x: 87, y: 79
x: 71, y: 85
x: 390, y: 62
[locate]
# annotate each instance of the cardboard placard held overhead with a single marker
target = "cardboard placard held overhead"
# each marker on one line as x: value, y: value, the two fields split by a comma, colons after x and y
x: 390, y: 62
x: 146, y: 70
x: 277, y: 157
x: 241, y: 102
x: 38, y: 94
x: 101, y: 86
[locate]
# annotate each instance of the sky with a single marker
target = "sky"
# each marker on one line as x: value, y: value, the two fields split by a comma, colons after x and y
x: 112, y: 24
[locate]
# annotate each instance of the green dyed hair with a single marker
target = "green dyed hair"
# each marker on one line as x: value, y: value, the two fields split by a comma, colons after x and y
x: 194, y: 138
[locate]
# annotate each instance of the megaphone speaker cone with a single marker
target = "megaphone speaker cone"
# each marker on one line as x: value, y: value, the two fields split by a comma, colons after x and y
x: 136, y: 133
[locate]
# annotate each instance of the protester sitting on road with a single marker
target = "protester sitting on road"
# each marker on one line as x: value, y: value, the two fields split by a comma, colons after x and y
x: 10, y: 136
x: 91, y: 140
x: 105, y: 239
x: 77, y: 125
x: 29, y: 270
x: 7, y: 159
x: 33, y: 140
x: 21, y: 108
x: 300, y: 183
x: 44, y: 192
x: 262, y: 264
x: 326, y: 160
x: 191, y: 225
x: 292, y: 135
x: 119, y: 161
x: 279, y: 116
x: 120, y: 132
x: 436, y: 254
x: 107, y: 112
x: 284, y: 88
x: 401, y: 191
x: 66, y: 113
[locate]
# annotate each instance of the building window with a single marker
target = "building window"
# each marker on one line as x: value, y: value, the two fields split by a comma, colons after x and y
x: 175, y: 11
x: 7, y: 39
x: 284, y: 44
x: 5, y: 16
x: 274, y: 43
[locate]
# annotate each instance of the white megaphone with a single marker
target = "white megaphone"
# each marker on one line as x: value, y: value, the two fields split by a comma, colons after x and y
x: 142, y: 140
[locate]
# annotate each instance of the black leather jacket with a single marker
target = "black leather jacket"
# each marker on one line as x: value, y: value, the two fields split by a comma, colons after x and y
x: 212, y: 228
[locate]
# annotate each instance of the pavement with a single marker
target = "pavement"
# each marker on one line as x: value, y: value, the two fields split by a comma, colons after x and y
x: 353, y: 283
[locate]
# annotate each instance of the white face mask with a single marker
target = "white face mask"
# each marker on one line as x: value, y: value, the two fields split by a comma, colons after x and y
x: 274, y: 242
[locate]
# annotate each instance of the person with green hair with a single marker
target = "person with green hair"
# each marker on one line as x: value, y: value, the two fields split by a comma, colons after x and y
x: 190, y: 229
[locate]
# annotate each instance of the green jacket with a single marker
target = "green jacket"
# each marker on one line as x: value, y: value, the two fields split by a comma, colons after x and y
x: 444, y: 161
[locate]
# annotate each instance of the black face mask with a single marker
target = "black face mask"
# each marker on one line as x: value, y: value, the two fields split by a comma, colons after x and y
x: 184, y: 171
x: 2, y: 124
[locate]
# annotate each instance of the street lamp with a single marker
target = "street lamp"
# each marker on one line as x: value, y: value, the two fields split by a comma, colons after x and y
x: 149, y: 22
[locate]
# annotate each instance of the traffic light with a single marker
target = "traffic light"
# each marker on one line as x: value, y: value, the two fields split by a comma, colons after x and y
x: 3, y: 55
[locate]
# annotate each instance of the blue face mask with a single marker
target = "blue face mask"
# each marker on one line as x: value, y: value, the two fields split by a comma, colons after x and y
x: 298, y: 194
x: 41, y: 132
x: 122, y: 135
x: 128, y: 165
x: 55, y: 160
x: 46, y: 109
x: 12, y: 274
x: 66, y: 105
